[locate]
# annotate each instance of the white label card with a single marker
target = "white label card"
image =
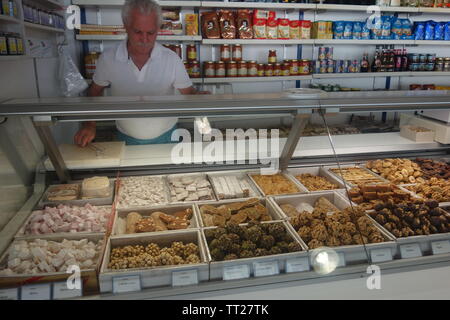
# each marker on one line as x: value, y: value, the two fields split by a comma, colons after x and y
x: 440, y: 247
x: 60, y: 291
x: 341, y: 262
x: 297, y: 265
x: 184, y: 278
x: 9, y: 294
x: 267, y: 268
x: 36, y: 292
x: 381, y: 255
x: 236, y: 272
x: 126, y: 284
x: 411, y: 250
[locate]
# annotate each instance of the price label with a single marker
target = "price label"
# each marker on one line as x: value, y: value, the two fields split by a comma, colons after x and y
x: 60, y: 291
x: 184, y: 278
x: 9, y: 294
x: 341, y: 262
x: 36, y: 292
x: 440, y: 247
x: 411, y: 250
x: 264, y: 269
x: 381, y: 255
x: 297, y: 265
x: 236, y: 272
x: 126, y: 284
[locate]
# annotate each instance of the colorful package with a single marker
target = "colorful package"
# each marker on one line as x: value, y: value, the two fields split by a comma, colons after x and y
x: 377, y: 28
x: 210, y: 25
x: 272, y: 29
x: 407, y: 29
x: 259, y: 28
x: 294, y: 29
x: 419, y: 31
x: 244, y: 24
x: 397, y: 29
x: 264, y: 14
x: 447, y: 31
x: 365, y: 33
x: 429, y: 30
x: 338, y: 29
x: 439, y: 31
x: 191, y: 20
x: 283, y: 28
x: 348, y: 30
x: 357, y: 30
x: 227, y: 24
x: 386, y: 28
x: 305, y: 29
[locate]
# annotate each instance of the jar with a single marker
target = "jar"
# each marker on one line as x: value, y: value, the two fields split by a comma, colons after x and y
x: 422, y: 58
x: 177, y: 50
x: 195, y: 69
x: 225, y: 53
x: 415, y: 87
x: 12, y: 43
x: 429, y: 67
x: 277, y: 70
x: 268, y: 70
x: 187, y: 66
x: 447, y: 66
x: 272, y: 57
x: 304, y: 67
x: 232, y: 69
x: 242, y: 69
x: 294, y: 67
x: 431, y: 58
x: 220, y: 69
x: 209, y: 69
x: 237, y: 52
x: 3, y: 44
x: 191, y: 52
x: 439, y: 66
x: 5, y: 7
x: 285, y: 69
x: 20, y: 48
x: 90, y: 61
x: 428, y: 87
x: 260, y: 70
x: 252, y: 69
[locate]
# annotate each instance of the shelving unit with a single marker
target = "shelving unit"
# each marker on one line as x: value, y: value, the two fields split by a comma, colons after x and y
x: 256, y: 41
x: 255, y: 79
x: 123, y: 36
x: 41, y: 27
x: 116, y: 3
x: 9, y: 19
x: 257, y: 5
x: 364, y: 42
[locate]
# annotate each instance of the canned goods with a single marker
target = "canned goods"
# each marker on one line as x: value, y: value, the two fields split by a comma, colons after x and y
x: 439, y: 66
x: 242, y: 69
x: 422, y: 58
x: 252, y: 69
x: 285, y: 69
x: 195, y: 69
x: 323, y: 66
x: 431, y: 58
x: 330, y: 66
x: 220, y: 69
x: 260, y: 67
x: 447, y: 66
x: 209, y: 69
x: 338, y: 66
x: 293, y: 71
x: 268, y: 70
x: 277, y: 70
x: 414, y: 67
x: 422, y: 66
x: 413, y: 58
x: 232, y: 69
x: 322, y: 53
x: 304, y: 68
x: 3, y: 44
x: 346, y: 66
x: 316, y: 66
x: 329, y: 53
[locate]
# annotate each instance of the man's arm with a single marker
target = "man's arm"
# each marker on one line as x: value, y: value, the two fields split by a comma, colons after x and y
x: 192, y: 90
x: 88, y: 131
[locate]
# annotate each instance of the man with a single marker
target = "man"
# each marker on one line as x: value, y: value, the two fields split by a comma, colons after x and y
x: 139, y: 66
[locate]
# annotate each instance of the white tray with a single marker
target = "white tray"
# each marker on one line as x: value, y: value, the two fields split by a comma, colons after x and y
x: 316, y: 171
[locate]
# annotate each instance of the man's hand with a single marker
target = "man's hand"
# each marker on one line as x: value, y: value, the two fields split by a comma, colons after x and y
x: 86, y: 134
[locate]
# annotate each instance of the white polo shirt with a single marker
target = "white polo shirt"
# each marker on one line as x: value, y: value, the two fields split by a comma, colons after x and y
x: 161, y: 75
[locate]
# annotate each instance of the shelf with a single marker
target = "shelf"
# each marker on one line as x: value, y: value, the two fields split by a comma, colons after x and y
x: 255, y: 79
x: 435, y: 10
x: 124, y: 36
x: 380, y: 74
x: 432, y: 42
x: 9, y: 19
x: 429, y: 74
x: 41, y: 27
x: 258, y: 5
x: 363, y: 42
x: 52, y: 4
x: 179, y: 38
x: 14, y: 58
x: 114, y: 3
x: 197, y: 80
x: 256, y: 41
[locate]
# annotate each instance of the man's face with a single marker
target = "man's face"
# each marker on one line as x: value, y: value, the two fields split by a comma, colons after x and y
x: 142, y: 31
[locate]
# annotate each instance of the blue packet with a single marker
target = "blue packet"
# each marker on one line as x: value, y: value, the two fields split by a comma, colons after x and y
x: 386, y: 27
x: 439, y: 31
x: 407, y: 29
x: 357, y: 30
x: 397, y: 29
x: 348, y: 30
x: 419, y: 31
x: 365, y: 32
x: 429, y: 30
x: 377, y: 28
x: 338, y: 29
x: 447, y: 32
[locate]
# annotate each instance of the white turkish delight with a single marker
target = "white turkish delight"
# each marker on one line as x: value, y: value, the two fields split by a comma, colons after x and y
x: 13, y: 263
x: 38, y: 253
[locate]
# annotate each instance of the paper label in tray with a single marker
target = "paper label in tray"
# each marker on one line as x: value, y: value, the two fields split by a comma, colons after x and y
x: 411, y: 250
x: 381, y: 255
x: 440, y: 247
x: 126, y: 284
x: 297, y: 265
x: 236, y: 272
x: 184, y: 278
x: 36, y: 292
x: 9, y: 294
x: 267, y: 268
x: 60, y: 291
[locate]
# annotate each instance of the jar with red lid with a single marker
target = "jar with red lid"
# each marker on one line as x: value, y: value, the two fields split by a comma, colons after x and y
x: 177, y: 50
x: 195, y: 69
x: 304, y: 67
x: 220, y: 69
x: 191, y: 52
x: 286, y: 69
x: 268, y: 70
x: 237, y: 52
x: 225, y: 53
x: 277, y: 70
x: 232, y: 69
x: 272, y: 59
x: 415, y: 87
x: 429, y: 87
x: 209, y: 69
x: 242, y: 69
x: 261, y: 68
x: 294, y: 68
x: 252, y: 69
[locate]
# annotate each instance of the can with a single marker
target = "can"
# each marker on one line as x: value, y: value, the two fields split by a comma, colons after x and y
x: 330, y: 66
x: 356, y: 66
x: 293, y: 71
x: 220, y: 69
x: 322, y: 53
x: 422, y: 66
x: 316, y: 66
x: 268, y: 70
x: 329, y: 53
x: 232, y: 69
x: 413, y: 58
x: 431, y: 58
x: 195, y: 69
x: 260, y: 70
x: 429, y: 66
x: 252, y: 69
x: 338, y: 66
x: 209, y: 69
x: 323, y: 66
x: 422, y: 58
x: 414, y: 67
x: 242, y: 69
x: 439, y: 66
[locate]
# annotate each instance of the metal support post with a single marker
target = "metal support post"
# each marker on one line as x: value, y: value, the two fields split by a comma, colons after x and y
x: 298, y: 126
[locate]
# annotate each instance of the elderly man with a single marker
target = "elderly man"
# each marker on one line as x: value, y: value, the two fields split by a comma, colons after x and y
x: 139, y: 66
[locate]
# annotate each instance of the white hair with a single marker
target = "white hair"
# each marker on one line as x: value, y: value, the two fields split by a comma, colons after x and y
x: 144, y: 6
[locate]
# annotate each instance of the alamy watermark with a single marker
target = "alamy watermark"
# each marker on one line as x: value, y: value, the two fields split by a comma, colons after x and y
x: 374, y: 280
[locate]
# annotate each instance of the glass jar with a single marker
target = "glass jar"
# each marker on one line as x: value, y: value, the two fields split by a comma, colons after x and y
x: 3, y: 44
x: 252, y: 68
x: 177, y: 49
x: 268, y: 70
x: 293, y: 71
x: 277, y: 70
x: 220, y: 69
x: 20, y: 47
x: 225, y: 53
x: 232, y: 69
x: 90, y: 61
x: 209, y: 69
x: 237, y: 52
x: 195, y: 69
x: 304, y: 67
x: 260, y: 70
x: 242, y: 69
x: 285, y: 69
x: 12, y: 44
x: 272, y: 57
x: 187, y: 66
x: 191, y: 52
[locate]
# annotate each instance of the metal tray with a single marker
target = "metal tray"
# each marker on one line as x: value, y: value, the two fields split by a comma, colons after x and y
x: 271, y: 210
x: 169, y: 209
x: 441, y: 204
x: 317, y: 171
x: 254, y: 193
x: 166, y: 188
x: 336, y: 176
x: 203, y: 175
x: 300, y: 187
x: 43, y: 202
x: 217, y: 267
x: 156, y: 276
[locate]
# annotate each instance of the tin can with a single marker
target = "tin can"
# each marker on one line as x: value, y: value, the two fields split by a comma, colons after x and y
x: 232, y: 69
x: 414, y: 67
x: 268, y: 70
x: 439, y: 66
x: 431, y: 58
x: 252, y: 68
x: 209, y: 69
x: 220, y: 69
x: 338, y: 66
x: 242, y: 69
x: 260, y: 70
x: 322, y: 53
x: 413, y: 58
x: 323, y: 66
x: 422, y: 58
x: 356, y: 66
x: 329, y: 53
x: 330, y: 66
x: 316, y: 66
x: 285, y: 69
x: 429, y: 66
x: 195, y: 69
x: 293, y: 71
x: 304, y: 67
